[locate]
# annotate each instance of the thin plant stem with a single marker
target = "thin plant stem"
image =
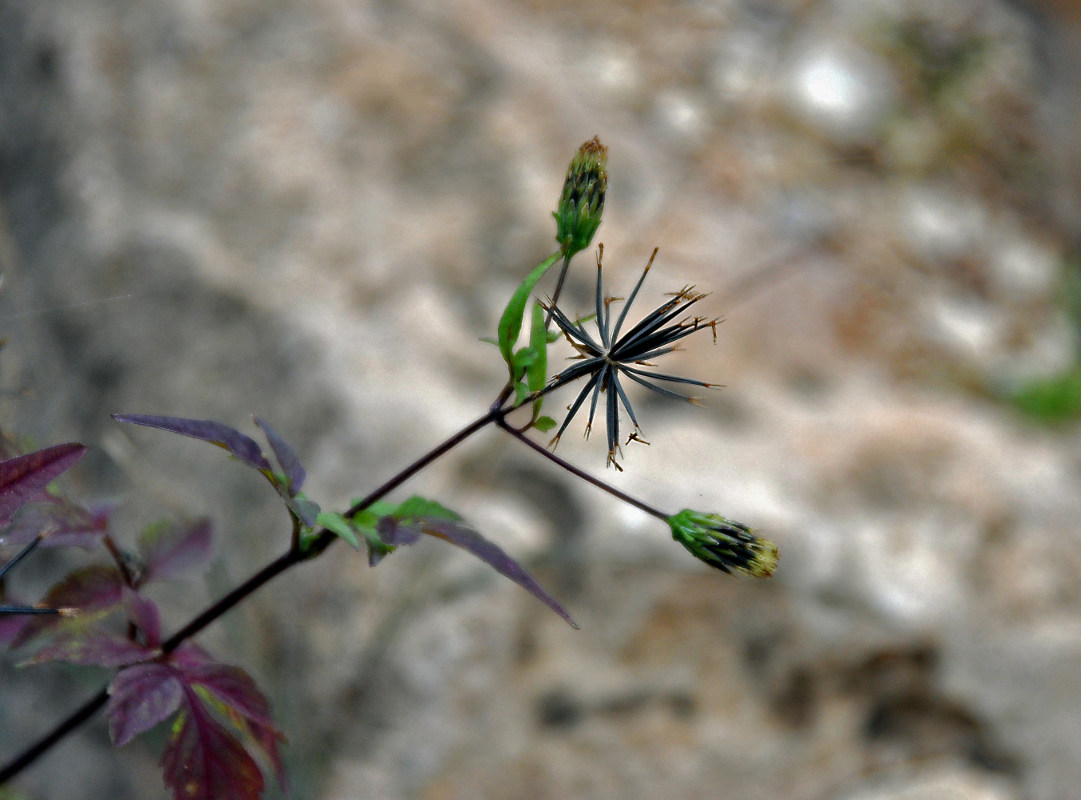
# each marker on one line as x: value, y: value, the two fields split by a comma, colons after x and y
x: 556, y: 292
x: 612, y: 490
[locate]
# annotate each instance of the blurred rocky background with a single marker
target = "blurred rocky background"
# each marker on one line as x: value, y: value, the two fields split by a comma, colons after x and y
x: 312, y: 211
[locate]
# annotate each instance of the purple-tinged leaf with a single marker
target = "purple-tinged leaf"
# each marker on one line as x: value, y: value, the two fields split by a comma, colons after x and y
x: 494, y: 556
x: 397, y: 533
x: 10, y: 626
x: 141, y: 696
x: 237, y: 443
x: 243, y: 703
x: 91, y: 646
x: 60, y: 522
x: 418, y: 515
x: 169, y: 550
x: 90, y: 589
x: 287, y: 457
x: 24, y: 477
x: 203, y: 761
x: 307, y: 510
x: 143, y: 614
x: 234, y: 687
x: 190, y: 656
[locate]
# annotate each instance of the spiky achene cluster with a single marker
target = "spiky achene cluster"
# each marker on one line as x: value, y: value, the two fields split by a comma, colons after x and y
x: 617, y: 354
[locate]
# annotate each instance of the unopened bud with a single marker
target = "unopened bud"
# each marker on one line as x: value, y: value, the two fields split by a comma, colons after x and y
x: 724, y: 544
x: 582, y: 201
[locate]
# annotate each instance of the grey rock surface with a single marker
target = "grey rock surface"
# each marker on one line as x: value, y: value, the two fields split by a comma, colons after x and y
x: 312, y: 211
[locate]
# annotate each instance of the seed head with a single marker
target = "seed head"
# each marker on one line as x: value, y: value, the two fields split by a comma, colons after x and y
x: 617, y: 354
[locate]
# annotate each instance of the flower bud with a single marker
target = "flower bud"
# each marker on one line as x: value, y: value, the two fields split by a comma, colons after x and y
x: 582, y: 201
x: 724, y: 544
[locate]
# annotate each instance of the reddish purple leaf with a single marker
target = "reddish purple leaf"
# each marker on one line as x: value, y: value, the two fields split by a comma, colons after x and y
x: 234, y: 687
x: 287, y: 457
x: 144, y: 615
x: 10, y: 626
x: 244, y: 703
x: 169, y: 550
x: 203, y: 761
x: 24, y: 477
x: 240, y: 445
x: 189, y: 656
x: 93, y: 588
x: 64, y: 524
x: 141, y: 696
x: 92, y: 646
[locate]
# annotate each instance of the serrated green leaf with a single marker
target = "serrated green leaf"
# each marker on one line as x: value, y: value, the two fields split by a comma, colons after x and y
x: 544, y: 424
x: 510, y: 323
x: 339, y: 526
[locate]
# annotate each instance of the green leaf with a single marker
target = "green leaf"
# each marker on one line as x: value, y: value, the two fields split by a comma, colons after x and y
x: 510, y: 323
x: 417, y: 506
x: 525, y: 357
x: 1052, y: 401
x: 380, y: 508
x: 544, y: 424
x: 537, y: 371
x: 338, y: 525
x: 521, y: 392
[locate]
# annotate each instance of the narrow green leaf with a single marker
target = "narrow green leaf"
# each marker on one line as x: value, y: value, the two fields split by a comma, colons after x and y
x: 510, y: 323
x: 338, y: 525
x: 537, y: 371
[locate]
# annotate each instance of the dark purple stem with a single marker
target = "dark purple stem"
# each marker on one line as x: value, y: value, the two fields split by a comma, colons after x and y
x: 612, y: 490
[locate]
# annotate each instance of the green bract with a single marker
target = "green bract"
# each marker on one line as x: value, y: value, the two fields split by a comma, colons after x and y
x: 723, y: 543
x: 582, y: 201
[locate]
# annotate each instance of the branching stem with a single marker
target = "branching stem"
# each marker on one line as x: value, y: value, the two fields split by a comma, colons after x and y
x: 295, y: 555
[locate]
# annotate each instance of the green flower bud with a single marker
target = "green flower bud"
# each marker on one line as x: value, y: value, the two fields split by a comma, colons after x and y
x: 582, y: 201
x: 724, y: 544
